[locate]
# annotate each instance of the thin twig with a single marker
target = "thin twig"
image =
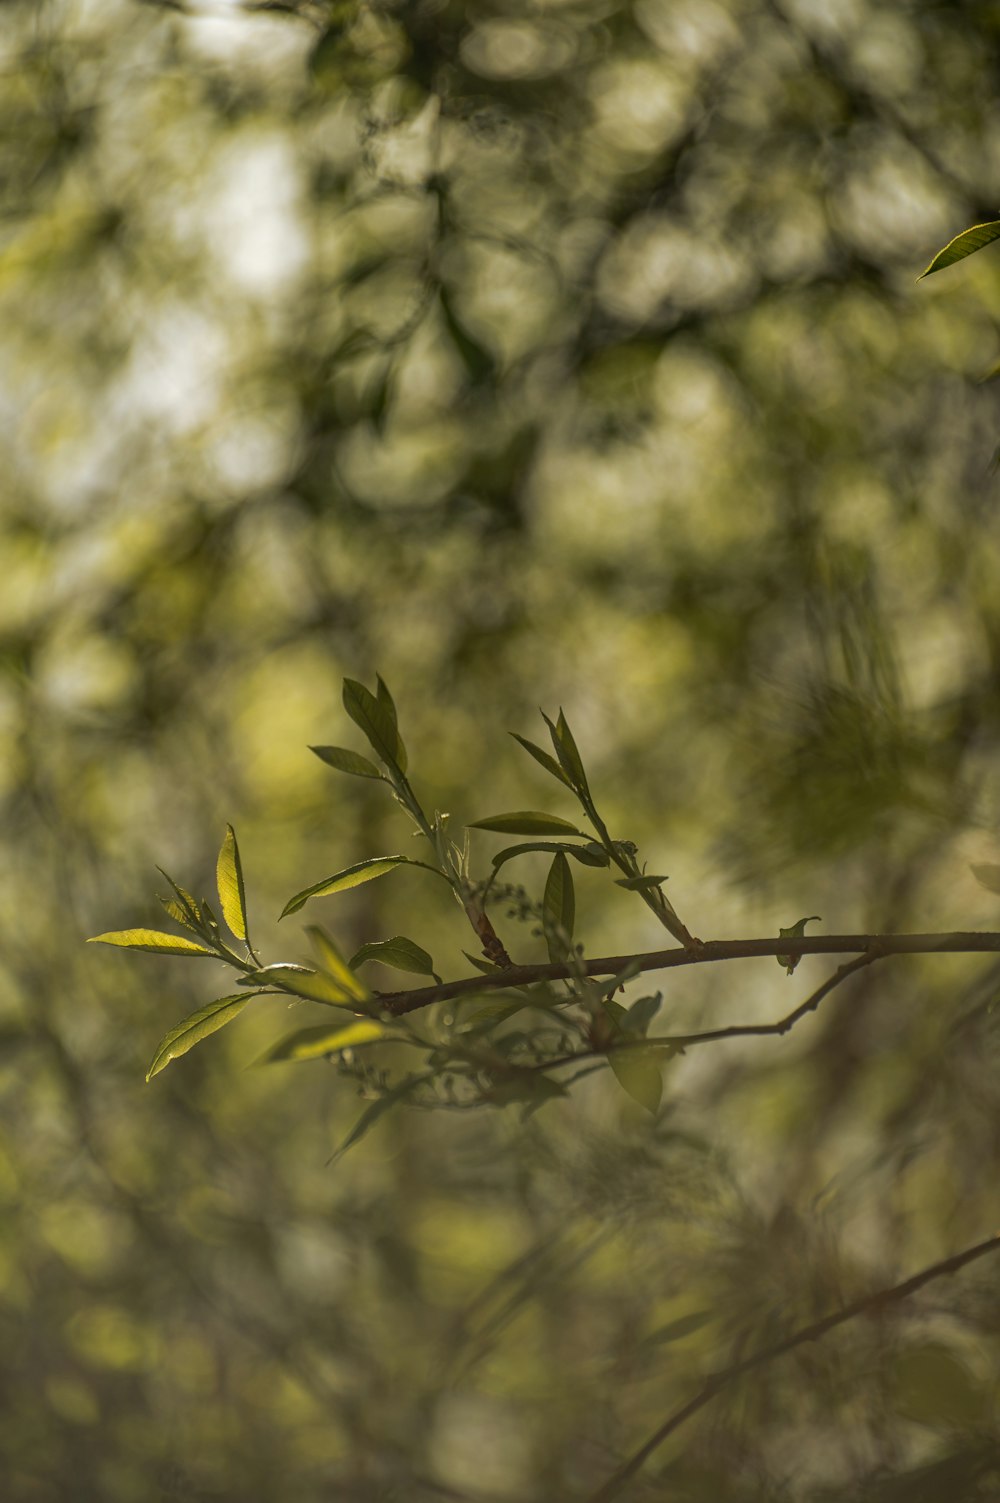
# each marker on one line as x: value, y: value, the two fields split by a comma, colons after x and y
x: 873, y: 945
x: 680, y: 1041
x: 869, y: 1305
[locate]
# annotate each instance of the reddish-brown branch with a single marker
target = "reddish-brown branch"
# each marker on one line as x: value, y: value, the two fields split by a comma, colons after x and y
x: 869, y: 945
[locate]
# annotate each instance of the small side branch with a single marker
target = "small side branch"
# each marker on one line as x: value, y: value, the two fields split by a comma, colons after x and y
x: 870, y: 1304
x: 867, y: 946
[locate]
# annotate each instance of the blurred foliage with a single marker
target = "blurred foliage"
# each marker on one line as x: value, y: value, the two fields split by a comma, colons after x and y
x: 557, y: 353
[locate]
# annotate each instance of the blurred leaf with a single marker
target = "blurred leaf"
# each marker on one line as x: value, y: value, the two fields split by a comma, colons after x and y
x: 965, y: 244
x: 399, y: 952
x: 527, y: 822
x: 348, y: 761
x: 478, y: 361
x: 559, y: 909
x: 377, y: 722
x: 641, y: 1014
x: 932, y: 1387
x: 526, y: 1086
x: 639, y: 884
x: 587, y: 855
x: 675, y: 1330
x: 988, y: 876
x: 639, y: 1073
x: 153, y: 940
x: 378, y: 1109
x: 229, y: 878
x: 197, y: 1026
x: 796, y: 931
x: 351, y: 876
x: 542, y: 758
x: 316, y: 1043
x: 335, y: 965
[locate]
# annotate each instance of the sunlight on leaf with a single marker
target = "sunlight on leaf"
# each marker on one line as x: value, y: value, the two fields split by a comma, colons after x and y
x: 335, y: 965
x: 351, y: 876
x: 152, y: 940
x: 398, y: 952
x: 317, y: 1043
x: 965, y: 244
x: 232, y: 894
x: 199, y: 1025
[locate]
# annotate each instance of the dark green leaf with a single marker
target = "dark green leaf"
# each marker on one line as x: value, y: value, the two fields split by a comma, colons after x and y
x: 559, y: 908
x: 385, y: 699
x: 639, y: 884
x: 587, y: 855
x: 965, y: 244
x: 377, y: 722
x: 378, y: 1109
x: 196, y: 1027
x: 351, y: 876
x: 638, y: 1073
x: 525, y: 1086
x: 542, y: 758
x: 566, y: 750
x: 153, y: 940
x: 318, y: 1043
x: 347, y: 761
x: 795, y: 931
x: 232, y: 894
x: 988, y: 876
x: 686, y: 1325
x: 399, y: 952
x: 526, y: 822
x: 641, y: 1014
x: 486, y: 966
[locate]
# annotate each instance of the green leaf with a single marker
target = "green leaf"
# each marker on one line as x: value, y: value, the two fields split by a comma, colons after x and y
x: 965, y: 244
x: 347, y: 761
x: 351, y: 876
x: 587, y: 855
x: 399, y: 952
x: 558, y: 909
x: 378, y: 1109
x: 934, y: 1387
x: 185, y: 900
x: 566, y: 750
x: 317, y: 1043
x: 196, y: 1027
x: 335, y: 966
x: 385, y: 699
x: 796, y: 931
x: 377, y: 722
x: 522, y: 1085
x: 639, y: 884
x: 302, y: 981
x: 153, y: 940
x: 686, y: 1325
x: 639, y: 1074
x: 542, y: 758
x: 178, y: 913
x: 641, y: 1014
x: 232, y: 894
x: 486, y: 966
x: 527, y: 822
x: 988, y: 876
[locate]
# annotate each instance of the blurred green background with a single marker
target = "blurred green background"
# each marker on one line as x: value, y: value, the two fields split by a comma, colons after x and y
x: 529, y: 354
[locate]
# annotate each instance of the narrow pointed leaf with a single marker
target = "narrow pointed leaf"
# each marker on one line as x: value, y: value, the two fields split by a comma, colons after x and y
x: 385, y: 699
x: 970, y: 240
x: 795, y: 931
x: 527, y: 822
x: 376, y: 722
x: 378, y: 1109
x: 639, y: 884
x: 988, y: 876
x: 347, y: 761
x: 318, y: 1043
x: 178, y: 913
x: 197, y: 1026
x: 641, y: 1014
x: 152, y: 940
x: 301, y: 981
x: 486, y: 966
x: 558, y: 908
x: 351, y: 876
x: 542, y: 758
x: 399, y: 952
x: 569, y: 756
x: 229, y: 878
x: 335, y: 966
x: 185, y: 899
x: 587, y: 855
x: 639, y: 1074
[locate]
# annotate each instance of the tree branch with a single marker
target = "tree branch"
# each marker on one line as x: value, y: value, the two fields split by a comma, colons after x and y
x: 871, y: 946
x: 869, y: 1305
